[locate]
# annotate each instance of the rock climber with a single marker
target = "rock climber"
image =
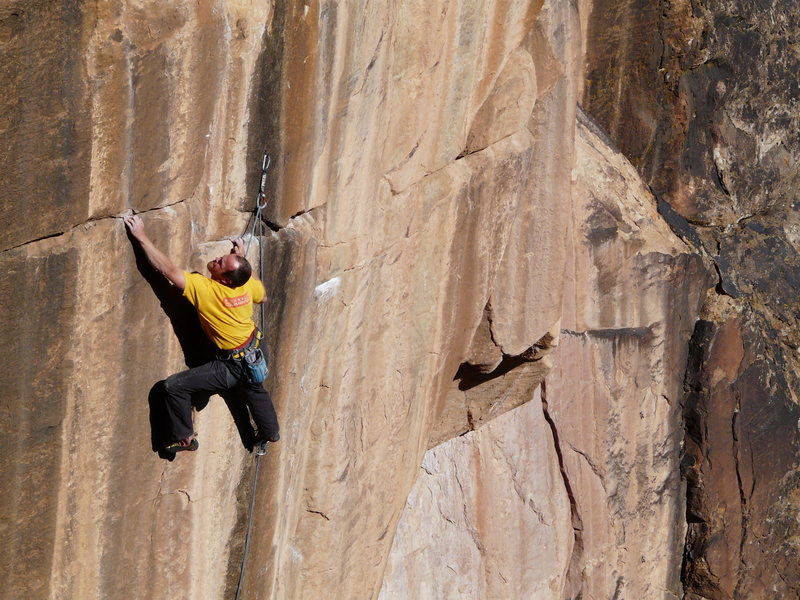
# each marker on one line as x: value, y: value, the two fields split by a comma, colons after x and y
x: 224, y: 304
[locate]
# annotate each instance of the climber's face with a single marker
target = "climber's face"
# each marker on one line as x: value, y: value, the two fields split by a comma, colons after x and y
x: 219, y: 266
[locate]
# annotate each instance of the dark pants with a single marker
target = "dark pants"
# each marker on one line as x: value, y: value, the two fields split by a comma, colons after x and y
x: 216, y: 377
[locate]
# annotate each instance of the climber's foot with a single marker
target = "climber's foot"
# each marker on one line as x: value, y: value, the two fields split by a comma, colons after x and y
x: 187, y: 444
x: 260, y: 446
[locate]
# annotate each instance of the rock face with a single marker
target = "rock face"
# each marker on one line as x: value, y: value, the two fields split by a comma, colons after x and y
x: 111, y: 108
x: 402, y: 305
x: 614, y: 396
x: 488, y: 517
x: 479, y: 324
x: 609, y: 419
x: 706, y: 110
x: 401, y: 153
x: 740, y: 466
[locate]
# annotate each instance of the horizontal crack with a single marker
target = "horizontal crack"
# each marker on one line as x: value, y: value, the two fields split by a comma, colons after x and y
x: 276, y: 227
x: 467, y: 152
x: 141, y: 212
x: 40, y: 239
x: 86, y: 222
x: 387, y: 176
x: 639, y: 332
x: 273, y: 226
x: 317, y: 512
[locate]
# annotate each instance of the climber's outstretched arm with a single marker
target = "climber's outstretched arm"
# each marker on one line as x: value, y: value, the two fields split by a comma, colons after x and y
x: 157, y: 259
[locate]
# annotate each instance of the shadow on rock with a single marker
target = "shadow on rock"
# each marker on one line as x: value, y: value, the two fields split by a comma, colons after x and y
x: 159, y: 429
x: 241, y: 417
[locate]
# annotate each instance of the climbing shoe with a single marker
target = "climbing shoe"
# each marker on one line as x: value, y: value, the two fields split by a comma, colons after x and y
x: 260, y: 447
x: 187, y: 444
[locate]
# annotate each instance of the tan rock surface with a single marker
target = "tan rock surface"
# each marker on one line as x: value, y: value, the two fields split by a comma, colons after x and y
x: 633, y: 296
x: 374, y: 294
x: 353, y: 432
x: 108, y: 499
x: 532, y: 267
x: 488, y: 517
x: 528, y: 270
x: 604, y: 463
x: 422, y: 196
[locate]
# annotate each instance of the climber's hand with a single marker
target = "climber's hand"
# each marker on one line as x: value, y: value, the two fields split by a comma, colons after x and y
x: 135, y: 226
x: 238, y: 246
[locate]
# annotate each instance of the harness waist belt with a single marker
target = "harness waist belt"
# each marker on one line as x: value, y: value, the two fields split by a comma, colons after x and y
x: 238, y: 352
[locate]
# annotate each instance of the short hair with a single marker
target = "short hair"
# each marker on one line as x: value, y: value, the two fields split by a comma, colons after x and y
x: 240, y: 274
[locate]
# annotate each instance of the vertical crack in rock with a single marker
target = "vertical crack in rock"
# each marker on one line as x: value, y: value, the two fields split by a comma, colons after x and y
x: 266, y: 122
x: 470, y: 422
x: 743, y: 497
x: 473, y: 532
x: 487, y: 311
x: 695, y: 573
x: 573, y: 571
x: 233, y: 570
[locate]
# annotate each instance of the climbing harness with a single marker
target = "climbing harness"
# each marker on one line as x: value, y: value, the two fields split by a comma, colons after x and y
x: 258, y: 231
x: 249, y: 358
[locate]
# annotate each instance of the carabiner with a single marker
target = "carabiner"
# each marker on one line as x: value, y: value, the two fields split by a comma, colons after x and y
x: 265, y: 162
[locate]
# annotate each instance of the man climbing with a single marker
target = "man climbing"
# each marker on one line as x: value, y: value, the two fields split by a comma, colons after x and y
x: 224, y: 304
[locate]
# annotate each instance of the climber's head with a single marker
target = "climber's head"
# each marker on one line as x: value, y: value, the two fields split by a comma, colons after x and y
x: 230, y: 269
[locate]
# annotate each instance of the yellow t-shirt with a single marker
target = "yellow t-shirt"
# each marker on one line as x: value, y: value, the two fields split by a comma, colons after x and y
x: 226, y: 313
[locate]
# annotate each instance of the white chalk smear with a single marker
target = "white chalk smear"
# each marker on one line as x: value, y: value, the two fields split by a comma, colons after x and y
x: 327, y: 289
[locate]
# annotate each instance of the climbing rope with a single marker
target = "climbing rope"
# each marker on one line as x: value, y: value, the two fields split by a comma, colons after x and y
x: 249, y: 526
x: 258, y: 231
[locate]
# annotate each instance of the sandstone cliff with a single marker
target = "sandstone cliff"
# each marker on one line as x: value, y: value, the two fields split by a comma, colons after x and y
x: 479, y: 322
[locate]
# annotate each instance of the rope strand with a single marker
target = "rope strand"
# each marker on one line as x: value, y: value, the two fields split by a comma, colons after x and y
x: 249, y: 526
x: 256, y: 232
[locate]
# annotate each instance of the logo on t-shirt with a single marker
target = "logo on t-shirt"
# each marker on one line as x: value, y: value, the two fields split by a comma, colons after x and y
x: 236, y: 301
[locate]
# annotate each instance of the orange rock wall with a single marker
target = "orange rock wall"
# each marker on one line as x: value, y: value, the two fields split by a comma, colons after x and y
x: 433, y: 212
